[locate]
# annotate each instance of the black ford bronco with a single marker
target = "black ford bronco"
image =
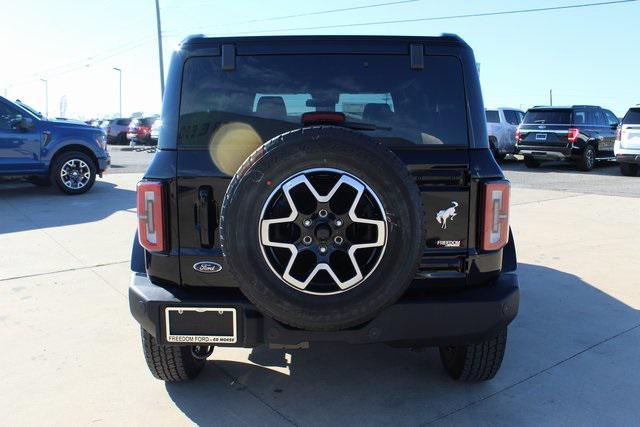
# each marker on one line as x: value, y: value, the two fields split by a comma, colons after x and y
x: 328, y: 188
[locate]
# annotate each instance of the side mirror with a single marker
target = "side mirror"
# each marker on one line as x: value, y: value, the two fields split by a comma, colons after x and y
x: 21, y: 123
x: 614, y: 127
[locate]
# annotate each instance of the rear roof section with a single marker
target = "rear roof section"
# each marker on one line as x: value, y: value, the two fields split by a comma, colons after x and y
x: 323, y: 44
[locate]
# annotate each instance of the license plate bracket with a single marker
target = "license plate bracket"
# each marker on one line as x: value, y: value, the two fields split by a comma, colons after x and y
x: 541, y: 136
x: 201, y: 325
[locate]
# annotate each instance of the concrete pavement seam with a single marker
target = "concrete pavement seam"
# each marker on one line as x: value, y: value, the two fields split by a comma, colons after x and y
x: 254, y: 394
x: 532, y: 375
x: 63, y: 271
x: 549, y: 200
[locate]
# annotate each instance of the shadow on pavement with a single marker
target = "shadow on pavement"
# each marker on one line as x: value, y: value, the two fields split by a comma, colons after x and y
x: 560, y: 316
x: 24, y: 206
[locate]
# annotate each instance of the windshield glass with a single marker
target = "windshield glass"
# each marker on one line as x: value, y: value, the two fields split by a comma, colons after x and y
x: 268, y: 95
x: 555, y: 117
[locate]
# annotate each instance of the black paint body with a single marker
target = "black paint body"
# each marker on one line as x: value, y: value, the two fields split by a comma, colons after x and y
x: 196, y: 187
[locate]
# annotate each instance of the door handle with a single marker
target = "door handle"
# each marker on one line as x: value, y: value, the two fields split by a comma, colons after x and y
x: 204, y: 222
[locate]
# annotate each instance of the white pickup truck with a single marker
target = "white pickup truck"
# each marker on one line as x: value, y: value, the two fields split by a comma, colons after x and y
x: 501, y: 129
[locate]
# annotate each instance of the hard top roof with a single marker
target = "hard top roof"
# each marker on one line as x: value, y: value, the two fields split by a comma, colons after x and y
x: 445, y: 38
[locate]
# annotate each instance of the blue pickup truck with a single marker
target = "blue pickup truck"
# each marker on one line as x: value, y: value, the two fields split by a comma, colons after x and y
x: 45, y: 151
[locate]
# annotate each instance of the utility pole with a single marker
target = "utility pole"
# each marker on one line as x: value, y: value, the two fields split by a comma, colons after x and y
x: 120, y: 87
x: 551, y: 97
x: 46, y: 96
x: 159, y: 26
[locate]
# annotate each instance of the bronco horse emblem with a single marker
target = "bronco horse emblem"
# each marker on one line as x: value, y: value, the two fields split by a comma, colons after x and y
x: 445, y: 214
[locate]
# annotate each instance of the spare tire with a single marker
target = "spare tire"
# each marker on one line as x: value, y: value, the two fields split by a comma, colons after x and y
x: 323, y: 228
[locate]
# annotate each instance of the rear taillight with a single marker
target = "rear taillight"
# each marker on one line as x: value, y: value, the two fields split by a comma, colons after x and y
x: 151, y: 228
x: 518, y: 135
x: 572, y: 135
x: 619, y: 133
x: 495, y: 230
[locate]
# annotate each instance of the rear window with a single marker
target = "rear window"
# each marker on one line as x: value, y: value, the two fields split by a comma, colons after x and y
x: 556, y: 117
x: 267, y: 95
x: 632, y: 117
x: 492, y: 116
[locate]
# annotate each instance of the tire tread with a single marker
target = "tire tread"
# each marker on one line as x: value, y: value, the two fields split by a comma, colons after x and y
x: 169, y: 363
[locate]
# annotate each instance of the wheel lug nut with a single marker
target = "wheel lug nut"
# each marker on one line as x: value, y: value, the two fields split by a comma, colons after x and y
x: 323, y: 213
x: 339, y: 223
x: 338, y: 240
x: 307, y: 223
x: 323, y: 249
x: 306, y: 240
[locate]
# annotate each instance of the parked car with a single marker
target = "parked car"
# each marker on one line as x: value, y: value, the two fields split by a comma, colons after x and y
x: 375, y: 213
x: 583, y: 134
x: 139, y: 131
x: 627, y: 145
x: 502, y: 124
x: 155, y: 130
x: 67, y: 153
x: 117, y: 130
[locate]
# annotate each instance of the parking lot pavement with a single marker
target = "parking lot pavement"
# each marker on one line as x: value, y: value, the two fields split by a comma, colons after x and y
x: 605, y: 178
x: 72, y: 354
x: 125, y: 159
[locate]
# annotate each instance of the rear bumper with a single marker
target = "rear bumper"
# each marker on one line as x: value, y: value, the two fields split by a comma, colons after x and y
x: 548, y: 153
x: 460, y: 317
x: 629, y: 157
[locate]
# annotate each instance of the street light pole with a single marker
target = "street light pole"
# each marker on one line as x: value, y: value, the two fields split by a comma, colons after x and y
x: 46, y: 96
x: 159, y: 27
x: 120, y: 87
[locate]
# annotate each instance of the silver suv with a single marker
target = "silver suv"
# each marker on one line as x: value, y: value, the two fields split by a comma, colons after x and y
x: 627, y: 145
x: 502, y: 124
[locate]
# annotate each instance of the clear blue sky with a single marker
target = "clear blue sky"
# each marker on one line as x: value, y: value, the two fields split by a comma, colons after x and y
x: 588, y: 55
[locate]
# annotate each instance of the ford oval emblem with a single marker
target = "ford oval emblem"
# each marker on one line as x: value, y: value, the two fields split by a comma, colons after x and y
x: 207, y: 267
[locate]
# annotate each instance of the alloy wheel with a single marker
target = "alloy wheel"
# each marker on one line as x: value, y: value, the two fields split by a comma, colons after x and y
x: 75, y: 174
x: 323, y: 231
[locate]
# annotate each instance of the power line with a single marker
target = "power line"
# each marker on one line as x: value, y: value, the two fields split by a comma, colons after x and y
x: 439, y: 18
x: 299, y: 15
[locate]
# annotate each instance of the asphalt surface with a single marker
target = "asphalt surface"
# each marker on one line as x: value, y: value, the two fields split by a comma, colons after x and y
x: 604, y: 179
x: 71, y: 351
x: 130, y: 160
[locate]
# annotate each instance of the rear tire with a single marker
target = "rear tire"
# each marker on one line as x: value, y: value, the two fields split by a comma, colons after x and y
x: 629, y: 169
x: 170, y: 363
x: 494, y: 150
x: 531, y: 163
x: 588, y: 159
x: 475, y: 362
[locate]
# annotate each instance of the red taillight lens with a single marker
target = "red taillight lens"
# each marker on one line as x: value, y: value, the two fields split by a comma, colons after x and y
x: 518, y: 135
x: 495, y: 230
x: 150, y: 197
x: 572, y: 135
